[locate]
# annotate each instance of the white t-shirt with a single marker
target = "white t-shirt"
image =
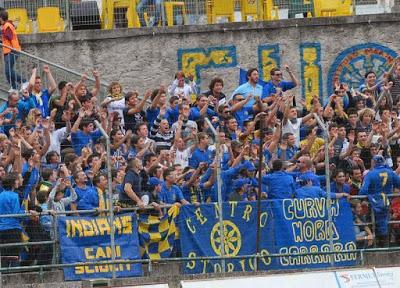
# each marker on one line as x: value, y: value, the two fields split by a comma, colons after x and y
x: 293, y: 128
x: 182, y: 157
x: 117, y: 106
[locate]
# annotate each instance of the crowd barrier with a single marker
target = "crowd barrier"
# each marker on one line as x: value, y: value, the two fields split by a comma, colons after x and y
x: 294, y: 235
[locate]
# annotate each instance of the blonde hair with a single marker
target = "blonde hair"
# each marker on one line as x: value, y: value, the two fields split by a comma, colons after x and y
x: 366, y: 112
x: 30, y: 119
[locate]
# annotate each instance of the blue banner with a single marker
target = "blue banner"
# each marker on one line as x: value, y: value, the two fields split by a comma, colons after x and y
x: 302, y: 226
x: 87, y: 239
x: 200, y: 236
x: 290, y: 226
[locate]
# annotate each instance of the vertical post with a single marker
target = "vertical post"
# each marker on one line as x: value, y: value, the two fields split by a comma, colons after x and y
x: 260, y: 165
x: 354, y: 7
x: 328, y: 185
x: 219, y: 189
x: 55, y: 239
x: 110, y: 193
x: 197, y: 12
x: 67, y: 15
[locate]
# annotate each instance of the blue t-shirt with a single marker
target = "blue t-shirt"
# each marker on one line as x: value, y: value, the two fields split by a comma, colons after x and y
x: 9, y: 204
x: 80, y: 140
x: 312, y: 192
x: 195, y: 113
x: 151, y: 115
x: 244, y: 114
x: 280, y: 185
x: 44, y: 106
x: 269, y: 88
x: 172, y: 195
x: 199, y: 156
x: 246, y: 89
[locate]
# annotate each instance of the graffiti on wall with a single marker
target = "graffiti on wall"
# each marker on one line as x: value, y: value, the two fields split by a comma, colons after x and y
x: 353, y: 63
x: 268, y: 58
x: 192, y: 61
x: 311, y: 71
x: 349, y: 66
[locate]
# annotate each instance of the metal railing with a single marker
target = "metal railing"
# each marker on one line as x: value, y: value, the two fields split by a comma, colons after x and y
x: 56, y: 256
x: 110, y: 14
x: 25, y: 62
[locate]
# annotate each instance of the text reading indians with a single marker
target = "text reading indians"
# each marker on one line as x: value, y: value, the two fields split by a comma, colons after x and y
x: 310, y: 228
x: 232, y: 236
x: 99, y: 227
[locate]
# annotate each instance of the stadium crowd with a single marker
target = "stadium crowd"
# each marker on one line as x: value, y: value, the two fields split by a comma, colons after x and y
x: 53, y: 157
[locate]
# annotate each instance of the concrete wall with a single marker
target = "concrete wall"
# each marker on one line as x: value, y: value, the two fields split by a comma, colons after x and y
x: 316, y: 49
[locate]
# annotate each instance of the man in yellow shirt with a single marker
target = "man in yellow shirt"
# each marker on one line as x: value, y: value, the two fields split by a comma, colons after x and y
x: 312, y: 143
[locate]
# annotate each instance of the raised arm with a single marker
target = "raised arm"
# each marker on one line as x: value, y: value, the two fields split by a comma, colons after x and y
x: 97, y: 83
x: 52, y: 83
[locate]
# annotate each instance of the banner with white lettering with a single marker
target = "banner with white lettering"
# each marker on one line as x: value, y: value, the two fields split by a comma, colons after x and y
x: 302, y: 227
x: 87, y: 239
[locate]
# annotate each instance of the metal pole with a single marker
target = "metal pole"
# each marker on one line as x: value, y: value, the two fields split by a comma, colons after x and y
x: 219, y: 189
x: 328, y: 184
x: 110, y: 193
x: 260, y: 164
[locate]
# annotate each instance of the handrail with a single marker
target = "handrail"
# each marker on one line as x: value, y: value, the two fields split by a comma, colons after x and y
x: 102, y: 83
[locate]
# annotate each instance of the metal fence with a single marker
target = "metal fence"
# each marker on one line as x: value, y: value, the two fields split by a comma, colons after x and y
x: 111, y: 14
x: 43, y: 251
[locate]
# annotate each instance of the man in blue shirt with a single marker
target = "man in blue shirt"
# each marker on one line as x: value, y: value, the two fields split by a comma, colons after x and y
x: 41, y: 96
x: 379, y: 182
x: 250, y: 88
x: 171, y: 193
x: 280, y: 185
x: 276, y: 85
x: 200, y: 154
x: 10, y: 228
x: 15, y: 108
x: 201, y: 109
x: 82, y: 134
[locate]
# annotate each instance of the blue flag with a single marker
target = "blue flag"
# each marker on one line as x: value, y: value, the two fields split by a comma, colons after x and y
x: 243, y: 78
x: 87, y: 239
x: 200, y: 236
x: 302, y: 226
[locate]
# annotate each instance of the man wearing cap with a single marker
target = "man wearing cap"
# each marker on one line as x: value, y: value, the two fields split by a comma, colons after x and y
x: 280, y: 185
x: 379, y: 182
x: 239, y: 189
x: 307, y: 189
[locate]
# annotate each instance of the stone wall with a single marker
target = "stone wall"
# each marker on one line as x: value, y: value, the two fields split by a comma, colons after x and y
x: 318, y: 50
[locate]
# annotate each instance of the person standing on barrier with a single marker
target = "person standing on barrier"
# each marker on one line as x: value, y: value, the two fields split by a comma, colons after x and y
x: 379, y: 182
x: 10, y: 39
